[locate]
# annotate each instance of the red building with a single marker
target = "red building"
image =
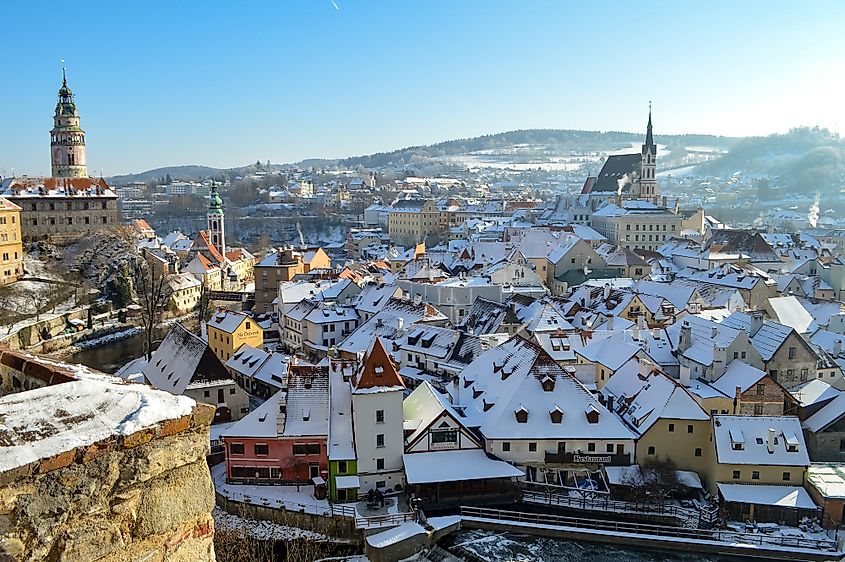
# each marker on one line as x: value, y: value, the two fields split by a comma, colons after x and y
x: 284, y: 439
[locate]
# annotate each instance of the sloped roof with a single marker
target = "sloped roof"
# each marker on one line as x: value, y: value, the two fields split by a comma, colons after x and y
x: 615, y: 168
x: 182, y: 358
x: 377, y: 371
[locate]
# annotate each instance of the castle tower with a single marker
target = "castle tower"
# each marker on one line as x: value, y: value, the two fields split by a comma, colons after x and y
x: 648, y: 182
x: 216, y: 232
x: 67, y: 139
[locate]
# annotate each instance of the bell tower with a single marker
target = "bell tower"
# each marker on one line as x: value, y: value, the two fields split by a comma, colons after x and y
x: 648, y: 182
x: 216, y: 232
x: 67, y: 139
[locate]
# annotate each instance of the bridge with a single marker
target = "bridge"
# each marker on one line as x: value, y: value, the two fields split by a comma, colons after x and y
x: 230, y: 296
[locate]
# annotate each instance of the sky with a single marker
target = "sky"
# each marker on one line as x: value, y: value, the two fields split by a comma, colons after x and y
x: 224, y: 83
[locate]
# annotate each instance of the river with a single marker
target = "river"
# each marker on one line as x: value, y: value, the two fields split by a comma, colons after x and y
x: 111, y: 356
x: 477, y: 545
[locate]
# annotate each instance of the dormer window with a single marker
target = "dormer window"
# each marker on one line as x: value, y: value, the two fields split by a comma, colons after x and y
x: 506, y: 372
x: 486, y: 405
x: 548, y: 383
x: 592, y: 414
x: 379, y: 371
x: 468, y: 383
x: 521, y: 415
x: 556, y: 415
x: 477, y: 393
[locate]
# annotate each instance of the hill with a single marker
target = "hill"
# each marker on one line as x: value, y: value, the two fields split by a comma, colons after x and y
x: 804, y: 160
x: 194, y: 172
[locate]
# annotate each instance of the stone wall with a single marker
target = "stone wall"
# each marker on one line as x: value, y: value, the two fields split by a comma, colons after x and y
x: 144, y: 496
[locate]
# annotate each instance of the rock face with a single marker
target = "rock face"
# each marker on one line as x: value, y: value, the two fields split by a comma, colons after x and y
x: 146, y: 496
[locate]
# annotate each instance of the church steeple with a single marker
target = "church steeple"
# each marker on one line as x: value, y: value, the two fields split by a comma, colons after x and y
x: 67, y: 139
x: 648, y: 188
x: 649, y: 139
x: 215, y: 216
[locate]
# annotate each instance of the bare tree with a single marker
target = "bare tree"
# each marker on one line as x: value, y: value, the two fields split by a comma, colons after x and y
x: 153, y: 292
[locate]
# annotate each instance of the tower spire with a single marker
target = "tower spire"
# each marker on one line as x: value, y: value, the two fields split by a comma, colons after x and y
x: 649, y: 139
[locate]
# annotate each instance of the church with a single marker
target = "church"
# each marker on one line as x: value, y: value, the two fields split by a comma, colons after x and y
x: 629, y: 176
x: 69, y: 204
x: 219, y: 268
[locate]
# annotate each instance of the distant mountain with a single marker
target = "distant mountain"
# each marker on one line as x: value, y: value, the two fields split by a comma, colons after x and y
x: 559, y: 141
x: 190, y: 172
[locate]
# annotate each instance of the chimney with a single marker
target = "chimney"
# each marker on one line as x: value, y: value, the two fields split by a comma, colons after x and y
x: 837, y: 348
x: 635, y: 332
x: 756, y: 322
x: 685, y: 375
x: 770, y: 445
x: 641, y: 322
x: 606, y: 291
x: 665, y: 201
x: 610, y: 323
x: 283, y: 412
x: 714, y: 330
x: 400, y: 323
x: 686, y: 337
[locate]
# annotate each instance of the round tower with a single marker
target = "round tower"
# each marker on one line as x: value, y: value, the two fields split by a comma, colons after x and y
x: 215, y: 216
x: 67, y: 139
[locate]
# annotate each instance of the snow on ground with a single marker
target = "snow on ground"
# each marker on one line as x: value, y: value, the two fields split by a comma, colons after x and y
x: 107, y: 339
x: 292, y: 498
x: 263, y: 530
x: 397, y: 534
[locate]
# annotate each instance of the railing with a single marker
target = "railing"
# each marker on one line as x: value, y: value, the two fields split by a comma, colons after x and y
x: 390, y: 520
x: 607, y: 504
x: 591, y: 525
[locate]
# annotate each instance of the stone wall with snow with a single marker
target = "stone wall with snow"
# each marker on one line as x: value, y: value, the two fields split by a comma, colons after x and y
x: 96, y: 469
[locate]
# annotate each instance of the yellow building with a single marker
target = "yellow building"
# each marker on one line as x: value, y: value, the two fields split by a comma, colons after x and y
x: 228, y: 330
x: 412, y: 221
x: 11, y: 246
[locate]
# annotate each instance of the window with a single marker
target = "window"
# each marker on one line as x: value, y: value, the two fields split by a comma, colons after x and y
x: 736, y: 475
x: 206, y: 393
x: 300, y: 449
x: 380, y: 440
x: 591, y: 447
x: 236, y: 449
x: 755, y: 475
x: 609, y: 447
x: 381, y: 483
x: 532, y: 447
x: 231, y: 391
x: 261, y: 449
x: 698, y: 451
x: 379, y: 464
x: 842, y: 444
x: 671, y: 428
x: 312, y: 448
x: 379, y: 416
x: 793, y: 352
x: 758, y: 409
x: 341, y: 467
x: 651, y: 450
x: 689, y: 428
x: 761, y: 389
x: 506, y: 446
x: 786, y: 476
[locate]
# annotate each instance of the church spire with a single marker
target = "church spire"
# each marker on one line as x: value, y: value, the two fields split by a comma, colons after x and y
x: 649, y: 139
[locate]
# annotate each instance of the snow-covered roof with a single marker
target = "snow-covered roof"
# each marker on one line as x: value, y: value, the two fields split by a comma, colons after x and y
x: 789, y: 311
x: 227, y: 320
x: 44, y: 422
x: 643, y: 399
x: 455, y: 466
x: 830, y: 413
x: 814, y: 391
x: 765, y: 494
x: 181, y: 358
x: 738, y: 374
x: 768, y: 339
x: 633, y: 475
x: 341, y: 441
x: 828, y: 479
x: 753, y: 448
x: 519, y: 374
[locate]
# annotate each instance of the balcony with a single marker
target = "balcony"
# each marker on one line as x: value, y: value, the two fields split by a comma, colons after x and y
x: 607, y: 459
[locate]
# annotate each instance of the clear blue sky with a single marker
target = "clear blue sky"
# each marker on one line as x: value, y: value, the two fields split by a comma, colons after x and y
x: 227, y: 83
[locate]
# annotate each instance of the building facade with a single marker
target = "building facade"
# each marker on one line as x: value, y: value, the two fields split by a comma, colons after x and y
x: 11, y: 246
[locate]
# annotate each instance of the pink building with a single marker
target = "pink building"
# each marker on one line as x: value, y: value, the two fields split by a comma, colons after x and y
x: 284, y: 439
